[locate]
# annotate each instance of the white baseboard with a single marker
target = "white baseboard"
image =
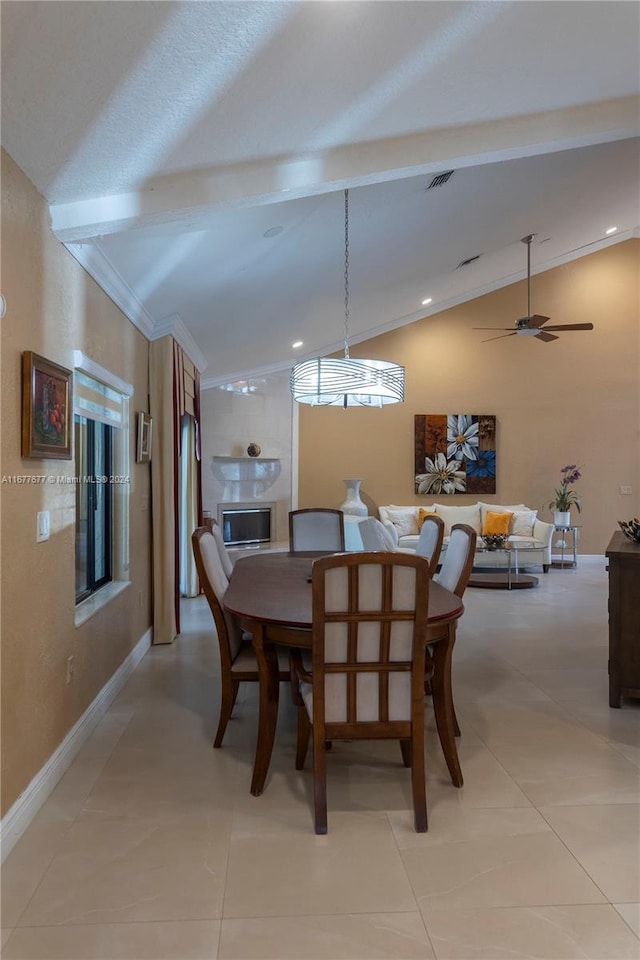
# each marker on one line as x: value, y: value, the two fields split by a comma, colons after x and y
x: 19, y: 816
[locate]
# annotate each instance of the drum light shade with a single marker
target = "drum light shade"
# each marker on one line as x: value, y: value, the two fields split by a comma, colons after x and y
x: 347, y: 381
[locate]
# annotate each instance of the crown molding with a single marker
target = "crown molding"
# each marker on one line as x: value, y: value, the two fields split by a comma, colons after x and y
x: 98, y: 266
x: 173, y: 326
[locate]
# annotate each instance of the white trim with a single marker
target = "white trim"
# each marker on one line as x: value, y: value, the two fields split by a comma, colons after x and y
x: 87, y: 608
x: 174, y: 326
x: 20, y: 815
x: 106, y: 276
x: 82, y: 362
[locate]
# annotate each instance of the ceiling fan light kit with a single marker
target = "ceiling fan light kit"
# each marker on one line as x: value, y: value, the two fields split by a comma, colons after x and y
x: 532, y: 324
x: 347, y: 381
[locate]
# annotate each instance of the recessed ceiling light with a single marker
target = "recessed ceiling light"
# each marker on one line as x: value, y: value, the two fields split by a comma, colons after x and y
x: 297, y: 343
x: 426, y: 301
x: 611, y: 230
x: 273, y: 231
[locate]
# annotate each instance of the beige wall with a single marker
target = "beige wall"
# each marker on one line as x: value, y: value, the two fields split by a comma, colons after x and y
x: 575, y: 400
x: 53, y: 308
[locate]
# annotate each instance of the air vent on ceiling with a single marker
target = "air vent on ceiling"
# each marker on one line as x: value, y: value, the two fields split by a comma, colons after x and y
x: 440, y: 179
x: 465, y: 263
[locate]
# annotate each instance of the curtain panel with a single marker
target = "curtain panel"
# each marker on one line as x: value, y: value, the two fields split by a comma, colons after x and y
x: 174, y: 391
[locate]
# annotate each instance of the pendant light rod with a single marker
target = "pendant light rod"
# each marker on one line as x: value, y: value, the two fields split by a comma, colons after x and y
x: 528, y: 241
x: 343, y: 381
x: 346, y: 274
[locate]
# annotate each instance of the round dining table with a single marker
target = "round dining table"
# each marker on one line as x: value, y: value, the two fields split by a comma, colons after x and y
x: 270, y: 593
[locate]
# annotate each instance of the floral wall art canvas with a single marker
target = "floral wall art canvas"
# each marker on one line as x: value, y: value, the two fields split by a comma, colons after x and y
x: 455, y: 453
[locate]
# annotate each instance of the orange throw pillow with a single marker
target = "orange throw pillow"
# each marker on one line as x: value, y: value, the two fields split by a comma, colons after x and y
x: 496, y: 523
x: 423, y: 514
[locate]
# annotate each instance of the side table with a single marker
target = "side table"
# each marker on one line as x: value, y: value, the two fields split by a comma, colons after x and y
x: 567, y: 544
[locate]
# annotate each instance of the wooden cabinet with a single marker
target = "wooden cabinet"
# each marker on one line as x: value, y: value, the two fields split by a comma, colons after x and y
x: 624, y: 619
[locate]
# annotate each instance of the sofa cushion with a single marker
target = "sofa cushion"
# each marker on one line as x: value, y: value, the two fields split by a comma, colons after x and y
x: 404, y: 519
x: 460, y: 514
x: 499, y: 508
x: 423, y: 513
x: 522, y: 522
x: 496, y: 523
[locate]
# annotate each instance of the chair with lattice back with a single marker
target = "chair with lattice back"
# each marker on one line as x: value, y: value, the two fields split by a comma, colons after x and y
x: 370, y: 614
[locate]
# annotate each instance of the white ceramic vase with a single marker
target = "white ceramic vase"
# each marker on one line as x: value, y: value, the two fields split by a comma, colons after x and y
x: 353, y: 505
x: 562, y: 518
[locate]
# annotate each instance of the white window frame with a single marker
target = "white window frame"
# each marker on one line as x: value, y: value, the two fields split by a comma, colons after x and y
x: 121, y: 491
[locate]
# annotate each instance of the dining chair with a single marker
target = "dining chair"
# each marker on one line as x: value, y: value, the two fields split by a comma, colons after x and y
x: 316, y: 528
x: 454, y: 575
x: 225, y: 559
x: 237, y: 658
x: 430, y: 540
x: 375, y: 536
x: 369, y: 625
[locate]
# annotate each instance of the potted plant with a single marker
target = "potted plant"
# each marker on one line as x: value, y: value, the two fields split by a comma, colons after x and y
x: 564, y: 497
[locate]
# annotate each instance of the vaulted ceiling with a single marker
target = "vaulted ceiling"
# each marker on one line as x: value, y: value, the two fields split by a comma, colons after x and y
x: 194, y: 155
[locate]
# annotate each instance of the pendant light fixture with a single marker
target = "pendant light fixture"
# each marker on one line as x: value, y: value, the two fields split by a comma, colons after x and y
x: 347, y: 381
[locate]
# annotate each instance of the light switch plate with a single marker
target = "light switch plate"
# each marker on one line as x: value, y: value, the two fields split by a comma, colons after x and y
x: 43, y: 526
x: 626, y: 489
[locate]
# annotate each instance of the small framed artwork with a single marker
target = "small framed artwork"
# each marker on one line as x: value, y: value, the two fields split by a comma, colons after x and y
x: 47, y: 409
x: 143, y: 449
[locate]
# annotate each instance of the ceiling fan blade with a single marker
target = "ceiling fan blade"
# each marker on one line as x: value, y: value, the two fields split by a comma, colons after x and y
x: 547, y: 337
x: 496, y: 338
x: 537, y: 320
x: 571, y: 326
x: 491, y: 328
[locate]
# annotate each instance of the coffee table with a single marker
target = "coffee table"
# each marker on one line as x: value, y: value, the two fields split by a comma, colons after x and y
x: 506, y: 575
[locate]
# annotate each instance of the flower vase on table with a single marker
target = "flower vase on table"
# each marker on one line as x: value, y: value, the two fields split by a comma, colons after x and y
x: 353, y: 505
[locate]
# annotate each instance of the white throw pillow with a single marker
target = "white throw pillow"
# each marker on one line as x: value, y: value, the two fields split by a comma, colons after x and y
x: 463, y: 514
x: 404, y: 519
x: 499, y: 508
x: 522, y: 522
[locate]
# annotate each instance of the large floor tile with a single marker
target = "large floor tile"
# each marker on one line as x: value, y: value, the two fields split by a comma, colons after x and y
x: 524, y: 724
x: 449, y: 824
x: 630, y: 912
x: 556, y: 772
x: 486, y: 782
x: 606, y: 841
x: 284, y: 869
x: 383, y: 936
x: 137, y: 783
x: 120, y: 870
x: 532, y: 933
x: 26, y: 865
x: 188, y: 940
x: 521, y: 870
x: 69, y: 796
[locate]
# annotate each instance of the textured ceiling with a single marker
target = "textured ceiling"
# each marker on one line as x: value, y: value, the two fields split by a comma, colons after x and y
x: 169, y: 137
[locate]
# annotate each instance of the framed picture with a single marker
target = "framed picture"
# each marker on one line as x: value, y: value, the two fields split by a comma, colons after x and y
x: 47, y: 409
x: 143, y: 449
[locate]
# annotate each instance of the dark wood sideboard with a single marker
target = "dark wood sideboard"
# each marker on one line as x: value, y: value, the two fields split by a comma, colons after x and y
x: 624, y: 618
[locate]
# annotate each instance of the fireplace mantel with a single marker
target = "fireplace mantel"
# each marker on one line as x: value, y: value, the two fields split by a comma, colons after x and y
x: 250, y: 476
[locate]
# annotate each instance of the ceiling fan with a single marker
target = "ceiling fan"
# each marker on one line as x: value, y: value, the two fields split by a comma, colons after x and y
x: 531, y: 325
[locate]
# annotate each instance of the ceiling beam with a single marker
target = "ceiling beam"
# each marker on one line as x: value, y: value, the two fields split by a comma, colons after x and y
x: 193, y: 196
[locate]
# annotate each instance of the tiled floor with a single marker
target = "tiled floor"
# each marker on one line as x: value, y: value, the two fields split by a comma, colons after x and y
x: 151, y: 846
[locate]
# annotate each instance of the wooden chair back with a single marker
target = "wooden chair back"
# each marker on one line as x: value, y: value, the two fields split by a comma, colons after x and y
x: 458, y: 560
x: 430, y: 540
x: 316, y: 528
x: 370, y: 614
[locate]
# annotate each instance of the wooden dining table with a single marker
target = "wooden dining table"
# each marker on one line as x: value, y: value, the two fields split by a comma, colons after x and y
x: 270, y: 593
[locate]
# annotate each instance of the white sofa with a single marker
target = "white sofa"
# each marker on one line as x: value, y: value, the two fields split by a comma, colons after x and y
x: 402, y: 521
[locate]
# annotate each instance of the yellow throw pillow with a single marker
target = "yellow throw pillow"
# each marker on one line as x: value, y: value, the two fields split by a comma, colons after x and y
x: 423, y: 514
x: 496, y: 523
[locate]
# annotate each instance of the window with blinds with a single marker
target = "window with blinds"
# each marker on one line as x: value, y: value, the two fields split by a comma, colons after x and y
x: 101, y: 413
